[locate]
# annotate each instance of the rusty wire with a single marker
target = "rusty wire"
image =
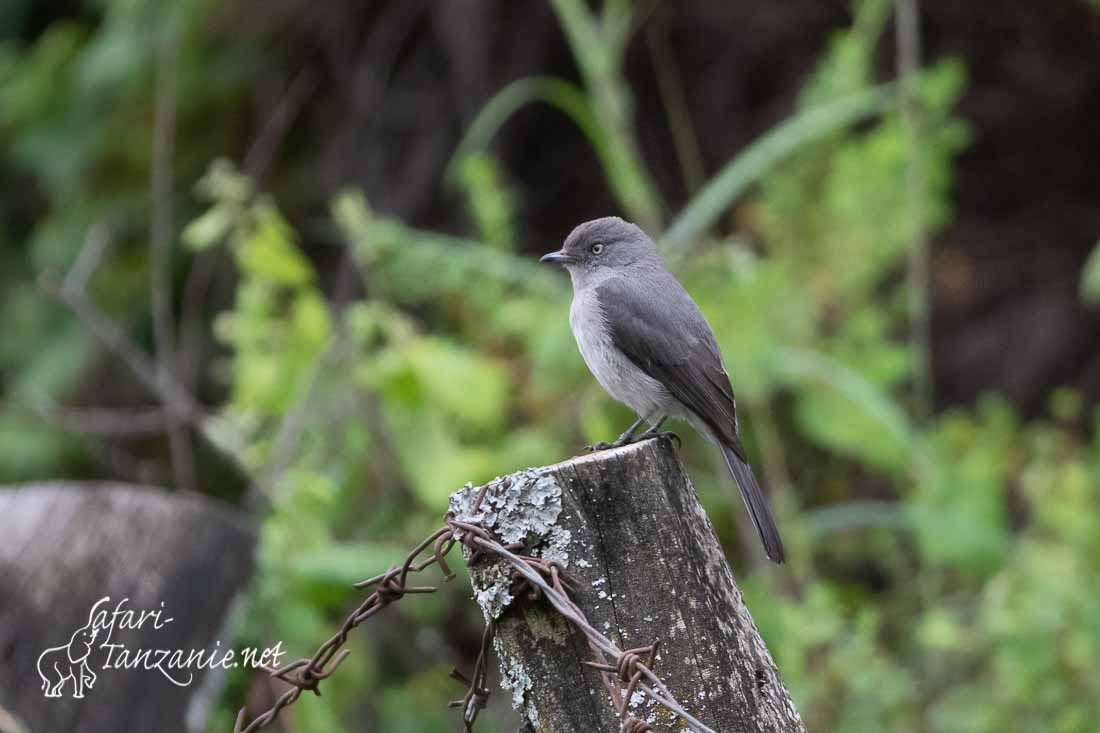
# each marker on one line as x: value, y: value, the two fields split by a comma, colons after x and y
x: 625, y: 670
x: 306, y: 674
x: 477, y: 694
x: 632, y: 667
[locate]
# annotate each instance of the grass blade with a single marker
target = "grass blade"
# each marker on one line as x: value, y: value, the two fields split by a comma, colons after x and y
x: 806, y: 128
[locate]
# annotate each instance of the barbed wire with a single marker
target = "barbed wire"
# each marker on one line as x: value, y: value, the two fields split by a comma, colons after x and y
x: 477, y: 694
x: 629, y: 661
x: 306, y: 674
x: 630, y: 667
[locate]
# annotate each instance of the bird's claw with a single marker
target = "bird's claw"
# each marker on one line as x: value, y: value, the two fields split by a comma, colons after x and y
x: 663, y: 434
x: 631, y: 439
x: 624, y: 439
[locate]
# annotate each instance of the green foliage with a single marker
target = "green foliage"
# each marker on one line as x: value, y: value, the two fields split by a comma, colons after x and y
x: 490, y: 203
x: 941, y: 574
x: 995, y: 633
x: 808, y: 127
x: 601, y: 109
x: 968, y: 530
x: 985, y: 633
x: 76, y: 105
x: 320, y: 402
x: 838, y: 215
x: 599, y: 44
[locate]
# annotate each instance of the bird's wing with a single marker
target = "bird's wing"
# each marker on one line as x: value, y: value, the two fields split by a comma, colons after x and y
x: 660, y: 329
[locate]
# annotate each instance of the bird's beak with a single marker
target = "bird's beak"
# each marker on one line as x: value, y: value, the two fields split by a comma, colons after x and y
x: 559, y: 257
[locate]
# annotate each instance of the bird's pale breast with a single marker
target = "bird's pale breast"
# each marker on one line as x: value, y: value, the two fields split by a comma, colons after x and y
x: 616, y: 373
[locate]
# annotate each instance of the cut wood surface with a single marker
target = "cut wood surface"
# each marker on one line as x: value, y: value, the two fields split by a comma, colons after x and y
x: 646, y: 566
x: 63, y: 547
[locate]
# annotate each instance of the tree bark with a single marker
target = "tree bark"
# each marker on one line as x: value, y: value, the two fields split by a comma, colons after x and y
x: 66, y: 545
x: 646, y: 566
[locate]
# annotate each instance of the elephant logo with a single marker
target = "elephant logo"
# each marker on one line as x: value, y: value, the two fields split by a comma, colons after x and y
x: 69, y: 663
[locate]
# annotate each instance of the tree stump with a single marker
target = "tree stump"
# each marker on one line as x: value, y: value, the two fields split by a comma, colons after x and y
x: 66, y: 545
x: 646, y: 566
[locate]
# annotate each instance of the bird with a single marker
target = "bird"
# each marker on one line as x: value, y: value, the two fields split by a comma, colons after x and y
x: 648, y: 345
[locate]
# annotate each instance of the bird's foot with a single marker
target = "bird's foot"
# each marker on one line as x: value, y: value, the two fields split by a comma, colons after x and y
x: 625, y: 439
x: 617, y: 443
x: 662, y: 434
x: 631, y: 439
x: 632, y: 436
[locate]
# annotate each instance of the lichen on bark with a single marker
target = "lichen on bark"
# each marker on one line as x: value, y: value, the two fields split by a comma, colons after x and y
x: 523, y: 507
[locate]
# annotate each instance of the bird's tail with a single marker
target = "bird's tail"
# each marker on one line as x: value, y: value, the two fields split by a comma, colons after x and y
x: 757, y: 504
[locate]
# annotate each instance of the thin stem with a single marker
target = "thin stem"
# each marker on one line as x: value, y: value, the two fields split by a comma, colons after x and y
x: 908, y: 64
x: 598, y: 50
x: 264, y: 149
x: 671, y: 89
x: 175, y: 398
x: 92, y: 251
x: 160, y: 250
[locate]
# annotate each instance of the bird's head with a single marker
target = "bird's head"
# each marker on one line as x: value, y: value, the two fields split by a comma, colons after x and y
x: 609, y: 243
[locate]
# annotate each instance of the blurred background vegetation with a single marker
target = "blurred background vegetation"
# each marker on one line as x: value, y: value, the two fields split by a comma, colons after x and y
x: 320, y: 222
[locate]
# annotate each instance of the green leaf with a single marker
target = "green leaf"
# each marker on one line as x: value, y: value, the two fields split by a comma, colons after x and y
x: 1090, y: 277
x: 563, y: 95
x: 807, y: 127
x: 265, y: 249
x: 223, y: 182
x: 211, y: 227
x: 857, y: 515
x: 848, y: 413
x: 432, y: 374
x: 490, y: 202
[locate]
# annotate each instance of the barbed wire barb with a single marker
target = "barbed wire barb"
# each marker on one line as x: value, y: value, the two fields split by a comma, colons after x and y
x: 477, y: 694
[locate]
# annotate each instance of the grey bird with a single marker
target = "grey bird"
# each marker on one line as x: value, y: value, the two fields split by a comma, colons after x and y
x: 649, y: 347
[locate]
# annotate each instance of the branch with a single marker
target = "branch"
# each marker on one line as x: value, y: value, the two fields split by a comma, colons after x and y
x: 176, y: 400
x: 112, y: 421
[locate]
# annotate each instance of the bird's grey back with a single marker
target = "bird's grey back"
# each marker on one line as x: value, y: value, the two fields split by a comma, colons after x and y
x: 682, y: 330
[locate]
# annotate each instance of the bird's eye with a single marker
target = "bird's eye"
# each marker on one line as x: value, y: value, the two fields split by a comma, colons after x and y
x: 597, y: 248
